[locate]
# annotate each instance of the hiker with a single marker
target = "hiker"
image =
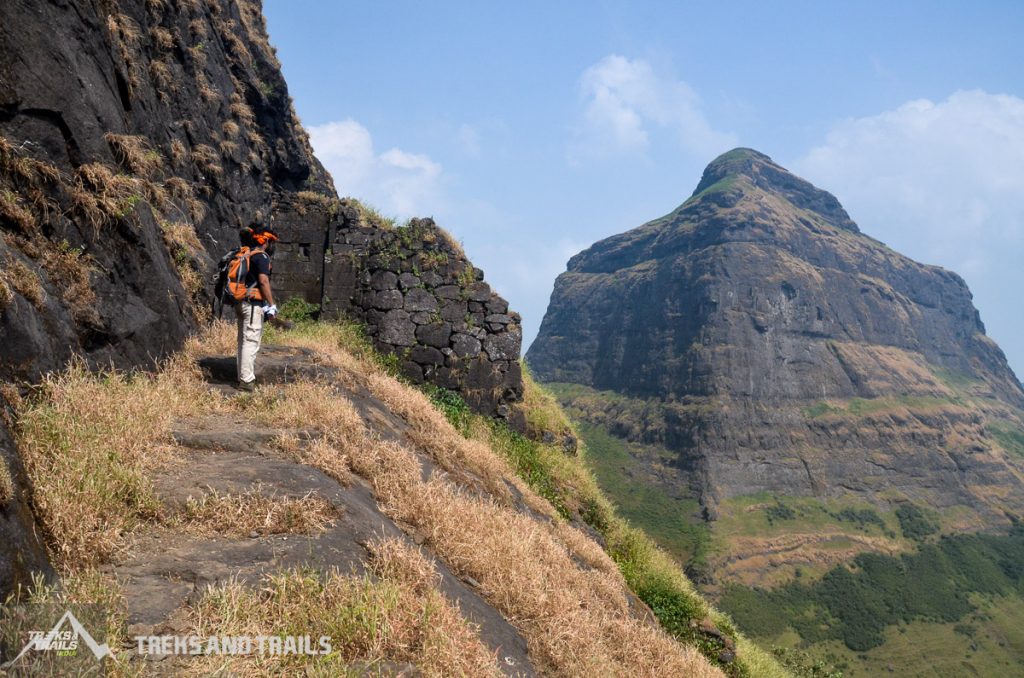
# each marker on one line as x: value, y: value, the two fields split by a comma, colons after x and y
x: 254, y: 301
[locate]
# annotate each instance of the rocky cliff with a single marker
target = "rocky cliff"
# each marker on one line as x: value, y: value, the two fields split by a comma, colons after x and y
x: 773, y: 347
x: 135, y: 139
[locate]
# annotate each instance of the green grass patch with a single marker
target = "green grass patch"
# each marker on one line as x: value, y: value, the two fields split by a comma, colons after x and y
x: 821, y: 409
x: 954, y: 380
x: 1010, y: 438
x: 855, y: 605
x: 861, y: 407
x: 764, y: 514
x: 674, y: 523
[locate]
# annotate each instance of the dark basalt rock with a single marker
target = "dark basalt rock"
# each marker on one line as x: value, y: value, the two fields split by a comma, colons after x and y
x: 747, y: 310
x: 22, y: 549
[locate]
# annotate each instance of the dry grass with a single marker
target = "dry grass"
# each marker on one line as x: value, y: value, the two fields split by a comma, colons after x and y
x: 96, y: 600
x: 68, y: 269
x: 430, y: 431
x: 242, y: 111
x: 197, y: 27
x: 239, y: 515
x: 451, y: 243
x: 198, y: 54
x: 181, y: 234
x: 6, y: 483
x: 577, y: 621
x: 231, y: 129
x: 162, y: 38
x: 163, y: 79
x: 256, y: 29
x: 24, y: 170
x: 182, y: 192
x: 206, y: 92
x: 219, y: 338
x: 12, y: 210
x: 228, y: 148
x: 400, y: 616
x: 543, y: 413
x: 177, y: 152
x: 311, y: 199
x: 183, y: 243
x: 156, y: 195
x: 85, y: 440
x: 24, y: 281
x: 99, y: 196
x: 125, y: 34
x: 321, y: 454
x: 6, y: 293
x: 236, y: 48
x: 207, y: 160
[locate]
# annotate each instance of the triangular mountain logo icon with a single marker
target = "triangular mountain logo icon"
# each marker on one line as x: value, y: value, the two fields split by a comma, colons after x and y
x: 56, y: 640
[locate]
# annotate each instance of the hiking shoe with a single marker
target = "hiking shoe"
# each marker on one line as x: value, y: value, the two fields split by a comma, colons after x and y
x: 247, y: 386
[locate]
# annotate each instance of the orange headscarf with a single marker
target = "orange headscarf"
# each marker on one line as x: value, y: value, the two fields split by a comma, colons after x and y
x: 263, y: 237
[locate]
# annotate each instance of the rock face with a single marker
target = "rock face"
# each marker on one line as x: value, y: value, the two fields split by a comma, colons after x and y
x: 136, y: 139
x: 777, y: 348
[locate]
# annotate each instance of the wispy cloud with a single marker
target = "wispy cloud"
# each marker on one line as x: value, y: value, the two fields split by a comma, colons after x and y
x: 396, y: 181
x: 943, y: 182
x: 627, y: 103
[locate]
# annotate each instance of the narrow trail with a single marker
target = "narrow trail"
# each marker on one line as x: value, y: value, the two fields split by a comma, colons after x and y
x: 168, y: 566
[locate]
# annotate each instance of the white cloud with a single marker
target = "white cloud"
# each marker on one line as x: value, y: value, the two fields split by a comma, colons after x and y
x: 944, y: 183
x: 396, y: 182
x: 627, y: 102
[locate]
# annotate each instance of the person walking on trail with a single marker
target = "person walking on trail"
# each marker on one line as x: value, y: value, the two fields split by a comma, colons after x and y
x: 254, y: 298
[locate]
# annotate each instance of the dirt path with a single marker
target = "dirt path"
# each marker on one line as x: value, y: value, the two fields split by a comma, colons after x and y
x: 167, y: 567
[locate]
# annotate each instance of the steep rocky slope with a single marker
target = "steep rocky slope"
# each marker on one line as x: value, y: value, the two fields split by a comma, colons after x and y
x: 773, y: 348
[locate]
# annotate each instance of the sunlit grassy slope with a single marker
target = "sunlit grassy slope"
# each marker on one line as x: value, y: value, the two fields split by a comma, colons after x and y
x: 92, y: 444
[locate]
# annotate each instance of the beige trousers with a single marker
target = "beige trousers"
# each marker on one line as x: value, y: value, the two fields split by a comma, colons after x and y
x: 250, y: 333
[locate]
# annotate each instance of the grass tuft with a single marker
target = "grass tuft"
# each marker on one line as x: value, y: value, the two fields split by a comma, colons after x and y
x: 6, y: 483
x: 135, y: 154
x: 239, y: 515
x: 23, y: 280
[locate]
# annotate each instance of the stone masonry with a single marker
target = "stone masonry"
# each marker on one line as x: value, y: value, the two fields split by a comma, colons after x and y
x: 419, y: 297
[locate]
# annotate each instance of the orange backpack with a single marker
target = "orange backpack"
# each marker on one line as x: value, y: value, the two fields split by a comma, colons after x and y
x: 238, y: 270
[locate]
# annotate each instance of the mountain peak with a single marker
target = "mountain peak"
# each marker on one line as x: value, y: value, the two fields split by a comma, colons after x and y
x: 761, y: 171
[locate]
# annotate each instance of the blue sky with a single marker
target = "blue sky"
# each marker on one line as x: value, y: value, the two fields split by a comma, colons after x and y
x: 530, y: 130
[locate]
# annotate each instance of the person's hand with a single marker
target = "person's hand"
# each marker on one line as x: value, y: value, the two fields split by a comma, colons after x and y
x: 270, y: 311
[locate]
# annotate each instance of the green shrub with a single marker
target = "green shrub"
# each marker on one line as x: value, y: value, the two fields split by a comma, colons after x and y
x: 299, y: 310
x: 779, y: 512
x: 914, y: 522
x: 861, y: 517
